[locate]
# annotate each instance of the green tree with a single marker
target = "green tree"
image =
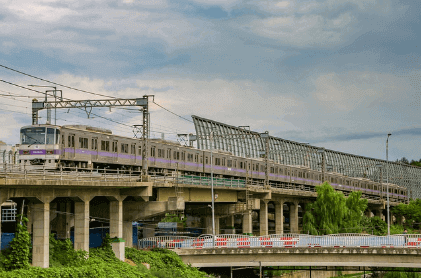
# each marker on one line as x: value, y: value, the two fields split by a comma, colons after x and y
x: 411, y: 212
x: 332, y: 213
x: 18, y: 254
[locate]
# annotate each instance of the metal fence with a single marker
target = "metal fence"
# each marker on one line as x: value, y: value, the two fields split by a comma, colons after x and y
x: 282, y: 241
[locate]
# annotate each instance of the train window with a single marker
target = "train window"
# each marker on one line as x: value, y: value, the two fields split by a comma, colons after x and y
x: 153, y: 151
x: 124, y: 148
x: 169, y: 153
x: 133, y: 149
x: 160, y: 153
x: 196, y: 158
x: 176, y: 155
x: 201, y: 159
x: 139, y: 150
x: 94, y: 143
x: 223, y: 162
x: 235, y: 164
x: 105, y: 146
x: 207, y: 160
x: 83, y: 143
x: 183, y: 156
x: 217, y: 161
x: 241, y: 165
x: 50, y: 136
x: 229, y: 164
x: 190, y: 157
x: 62, y: 140
x: 114, y: 147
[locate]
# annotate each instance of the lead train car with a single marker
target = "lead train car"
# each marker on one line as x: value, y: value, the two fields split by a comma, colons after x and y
x: 86, y: 147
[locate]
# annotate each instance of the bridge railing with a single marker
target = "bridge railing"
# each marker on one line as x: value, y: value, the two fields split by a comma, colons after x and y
x: 283, y: 241
x: 19, y: 171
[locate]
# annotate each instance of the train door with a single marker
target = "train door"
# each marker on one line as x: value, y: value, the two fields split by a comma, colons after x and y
x: 169, y: 158
x: 94, y: 146
x: 114, y: 150
x: 133, y: 154
x: 71, y: 146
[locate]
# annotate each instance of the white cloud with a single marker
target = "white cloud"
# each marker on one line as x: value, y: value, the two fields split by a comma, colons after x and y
x: 225, y: 4
x: 304, y: 31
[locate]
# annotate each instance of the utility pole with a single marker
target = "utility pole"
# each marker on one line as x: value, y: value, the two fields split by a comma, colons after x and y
x: 387, y: 183
x: 145, y: 137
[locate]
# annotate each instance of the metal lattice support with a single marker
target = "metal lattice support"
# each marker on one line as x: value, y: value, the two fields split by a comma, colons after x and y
x: 245, y: 143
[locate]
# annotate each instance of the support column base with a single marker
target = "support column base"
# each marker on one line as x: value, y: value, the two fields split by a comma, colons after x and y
x: 118, y: 248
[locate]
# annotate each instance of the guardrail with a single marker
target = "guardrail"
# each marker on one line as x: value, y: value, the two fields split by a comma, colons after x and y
x: 19, y: 171
x: 282, y: 241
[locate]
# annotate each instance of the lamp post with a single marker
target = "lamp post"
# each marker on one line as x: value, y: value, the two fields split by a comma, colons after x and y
x: 212, y: 193
x: 387, y: 183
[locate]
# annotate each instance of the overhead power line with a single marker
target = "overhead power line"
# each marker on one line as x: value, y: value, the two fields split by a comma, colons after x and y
x: 172, y: 112
x: 58, y: 84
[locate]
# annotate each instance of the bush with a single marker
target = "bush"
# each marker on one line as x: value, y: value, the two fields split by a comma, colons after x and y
x: 17, y: 256
x: 62, y: 253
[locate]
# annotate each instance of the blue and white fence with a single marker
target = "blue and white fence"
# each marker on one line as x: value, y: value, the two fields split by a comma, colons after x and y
x: 282, y: 241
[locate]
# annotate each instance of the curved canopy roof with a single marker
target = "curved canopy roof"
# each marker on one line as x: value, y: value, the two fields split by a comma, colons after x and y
x: 241, y: 141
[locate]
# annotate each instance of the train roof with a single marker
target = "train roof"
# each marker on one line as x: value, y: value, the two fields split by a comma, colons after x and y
x: 89, y: 128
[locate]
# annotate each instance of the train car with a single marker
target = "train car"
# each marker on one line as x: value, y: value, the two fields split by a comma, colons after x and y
x: 86, y: 147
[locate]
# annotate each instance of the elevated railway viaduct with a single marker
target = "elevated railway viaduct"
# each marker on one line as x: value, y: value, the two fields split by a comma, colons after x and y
x: 64, y: 201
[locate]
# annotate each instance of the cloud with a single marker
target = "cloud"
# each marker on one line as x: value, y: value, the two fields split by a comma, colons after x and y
x: 304, y: 31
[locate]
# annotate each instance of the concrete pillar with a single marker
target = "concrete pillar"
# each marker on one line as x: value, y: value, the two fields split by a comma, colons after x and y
x: 230, y: 221
x: 116, y: 229
x: 279, y: 217
x: 41, y: 235
x: 82, y: 226
x: 208, y: 225
x: 293, y: 217
x: 247, y: 222
x: 368, y: 213
x: 263, y: 215
x: 128, y: 233
x: 217, y: 230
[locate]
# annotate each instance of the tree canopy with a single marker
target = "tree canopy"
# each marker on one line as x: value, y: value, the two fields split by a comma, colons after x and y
x: 333, y: 213
x: 411, y: 211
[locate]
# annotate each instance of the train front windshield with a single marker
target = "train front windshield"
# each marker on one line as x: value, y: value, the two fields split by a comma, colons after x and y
x: 39, y: 135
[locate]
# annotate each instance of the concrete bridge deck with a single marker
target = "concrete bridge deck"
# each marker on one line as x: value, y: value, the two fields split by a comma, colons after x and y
x: 352, y: 256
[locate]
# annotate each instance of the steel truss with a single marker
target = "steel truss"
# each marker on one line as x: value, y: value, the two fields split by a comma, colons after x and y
x: 245, y: 143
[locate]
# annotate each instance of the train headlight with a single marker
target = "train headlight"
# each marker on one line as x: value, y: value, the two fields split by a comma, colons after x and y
x: 50, y: 152
x: 25, y: 152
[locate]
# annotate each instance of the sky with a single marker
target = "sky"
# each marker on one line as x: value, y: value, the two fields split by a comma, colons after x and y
x: 339, y: 74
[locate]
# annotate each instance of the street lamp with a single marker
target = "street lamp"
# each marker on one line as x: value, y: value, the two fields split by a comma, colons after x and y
x: 212, y: 193
x: 387, y: 183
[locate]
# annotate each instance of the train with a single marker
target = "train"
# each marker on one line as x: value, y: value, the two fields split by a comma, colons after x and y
x: 86, y: 147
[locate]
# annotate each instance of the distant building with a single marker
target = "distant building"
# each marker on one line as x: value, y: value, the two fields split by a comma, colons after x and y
x: 9, y: 154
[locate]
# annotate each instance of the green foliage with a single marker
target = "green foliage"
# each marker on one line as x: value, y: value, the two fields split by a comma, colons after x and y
x: 103, y: 263
x: 374, y: 225
x: 62, y: 253
x: 164, y: 263
x: 175, y: 218
x: 17, y: 256
x: 411, y: 212
x: 332, y: 213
